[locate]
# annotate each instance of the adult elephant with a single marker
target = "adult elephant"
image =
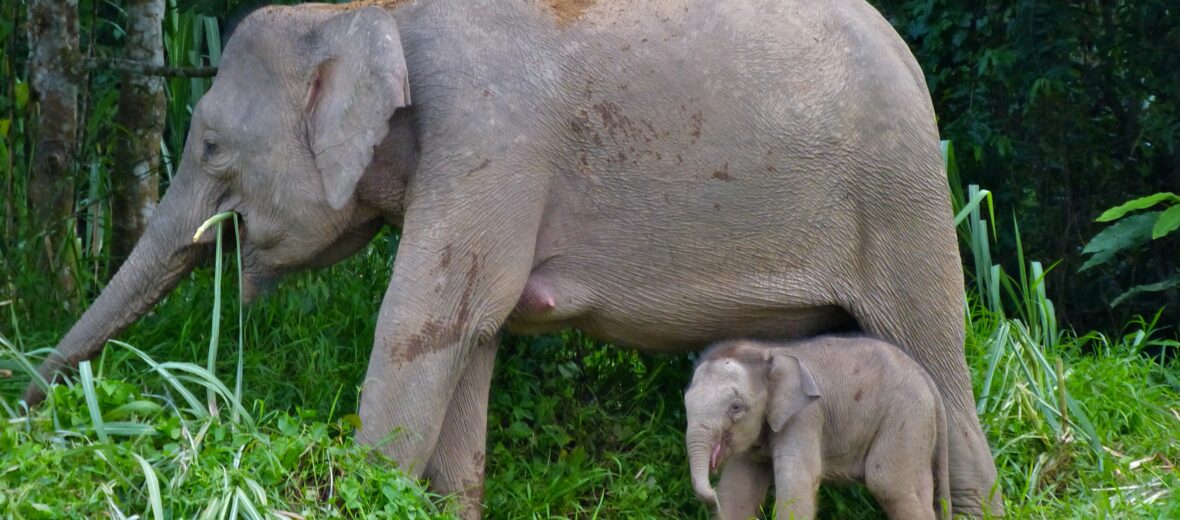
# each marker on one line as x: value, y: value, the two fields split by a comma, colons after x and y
x: 660, y: 174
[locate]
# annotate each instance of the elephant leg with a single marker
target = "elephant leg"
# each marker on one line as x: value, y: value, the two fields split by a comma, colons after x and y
x: 462, y: 263
x: 898, y: 468
x: 457, y: 464
x: 742, y: 487
x: 798, y: 467
x: 923, y: 315
x: 904, y: 495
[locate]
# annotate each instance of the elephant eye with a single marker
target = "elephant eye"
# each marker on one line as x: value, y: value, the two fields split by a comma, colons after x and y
x: 213, y: 155
x: 736, y: 408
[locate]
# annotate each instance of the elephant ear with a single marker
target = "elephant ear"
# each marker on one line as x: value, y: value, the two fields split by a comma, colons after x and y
x: 359, y: 79
x: 792, y: 388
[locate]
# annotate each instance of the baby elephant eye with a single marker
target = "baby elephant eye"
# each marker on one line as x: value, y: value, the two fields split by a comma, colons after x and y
x: 210, y: 148
x: 736, y: 408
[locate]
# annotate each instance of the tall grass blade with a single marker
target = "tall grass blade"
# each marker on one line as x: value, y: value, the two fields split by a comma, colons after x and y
x: 241, y: 324
x: 971, y: 207
x: 215, y: 333
x: 248, y: 508
x: 996, y: 342
x: 214, y: 510
x: 92, y: 400
x: 194, y: 404
x: 155, y: 501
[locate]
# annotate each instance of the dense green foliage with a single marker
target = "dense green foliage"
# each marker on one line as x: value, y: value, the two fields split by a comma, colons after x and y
x: 1065, y: 110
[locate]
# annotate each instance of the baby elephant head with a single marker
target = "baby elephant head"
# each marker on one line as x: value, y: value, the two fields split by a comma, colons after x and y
x: 737, y: 389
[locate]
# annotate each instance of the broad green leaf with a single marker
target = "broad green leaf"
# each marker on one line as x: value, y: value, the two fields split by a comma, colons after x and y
x: 1137, y: 204
x: 1146, y: 288
x: 1167, y: 223
x: 1127, y: 233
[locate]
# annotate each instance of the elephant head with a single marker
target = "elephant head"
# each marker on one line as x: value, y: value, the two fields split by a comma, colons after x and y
x: 736, y: 390
x: 282, y: 138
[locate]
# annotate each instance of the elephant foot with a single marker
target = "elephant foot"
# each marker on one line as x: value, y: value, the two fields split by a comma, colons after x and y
x: 971, y: 503
x: 468, y: 498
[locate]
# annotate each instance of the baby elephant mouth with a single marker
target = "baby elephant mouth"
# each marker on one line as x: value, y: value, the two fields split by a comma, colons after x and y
x: 715, y: 458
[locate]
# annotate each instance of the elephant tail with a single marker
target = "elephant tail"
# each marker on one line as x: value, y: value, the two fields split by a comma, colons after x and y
x: 940, y: 462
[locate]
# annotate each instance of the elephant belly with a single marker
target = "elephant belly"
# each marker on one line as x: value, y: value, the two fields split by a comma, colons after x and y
x: 658, y: 320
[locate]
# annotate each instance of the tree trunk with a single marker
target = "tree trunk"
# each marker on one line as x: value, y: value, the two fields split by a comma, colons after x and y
x: 141, y: 119
x: 53, y: 60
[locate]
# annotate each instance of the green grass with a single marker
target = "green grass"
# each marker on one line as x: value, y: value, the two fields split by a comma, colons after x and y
x: 1082, y: 426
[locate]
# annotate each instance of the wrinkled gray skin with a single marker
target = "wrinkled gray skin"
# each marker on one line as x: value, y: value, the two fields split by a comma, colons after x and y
x: 660, y: 174
x: 834, y: 409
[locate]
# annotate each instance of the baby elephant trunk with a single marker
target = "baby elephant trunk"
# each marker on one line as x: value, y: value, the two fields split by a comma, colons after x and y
x: 700, y: 450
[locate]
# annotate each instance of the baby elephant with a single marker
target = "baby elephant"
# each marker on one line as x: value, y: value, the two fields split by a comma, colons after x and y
x: 832, y: 408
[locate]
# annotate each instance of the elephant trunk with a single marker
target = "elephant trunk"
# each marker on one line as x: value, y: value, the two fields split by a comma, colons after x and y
x: 700, y: 452
x: 164, y: 254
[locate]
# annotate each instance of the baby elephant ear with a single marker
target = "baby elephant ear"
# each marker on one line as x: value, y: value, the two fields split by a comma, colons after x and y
x: 792, y: 388
x: 359, y: 80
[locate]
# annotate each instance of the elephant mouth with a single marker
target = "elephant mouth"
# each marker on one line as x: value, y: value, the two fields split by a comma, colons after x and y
x: 717, y: 457
x: 714, y: 458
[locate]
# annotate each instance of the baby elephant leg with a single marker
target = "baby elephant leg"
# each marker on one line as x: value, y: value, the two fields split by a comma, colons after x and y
x: 798, y: 468
x: 904, y: 497
x: 899, y: 474
x: 742, y: 487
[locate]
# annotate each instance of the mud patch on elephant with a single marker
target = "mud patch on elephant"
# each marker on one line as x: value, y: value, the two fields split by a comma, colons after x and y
x: 357, y: 4
x: 580, y: 127
x: 568, y: 11
x: 432, y: 337
x: 723, y: 173
x: 613, y: 119
x: 695, y: 121
x: 473, y: 489
x: 469, y: 282
x: 858, y: 395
